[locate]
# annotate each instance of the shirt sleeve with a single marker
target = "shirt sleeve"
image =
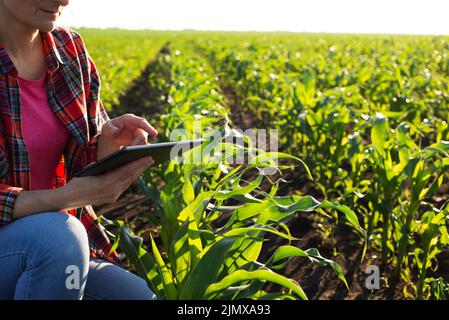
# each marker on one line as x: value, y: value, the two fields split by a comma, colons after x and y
x: 96, y: 113
x: 8, y: 194
x: 8, y: 197
x: 92, y: 148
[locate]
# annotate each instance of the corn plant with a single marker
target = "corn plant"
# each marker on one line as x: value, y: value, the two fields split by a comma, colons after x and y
x: 434, y: 236
x: 405, y: 178
x: 438, y: 288
x: 203, y: 262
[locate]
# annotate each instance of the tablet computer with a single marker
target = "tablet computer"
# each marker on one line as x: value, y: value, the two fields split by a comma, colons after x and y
x: 160, y: 152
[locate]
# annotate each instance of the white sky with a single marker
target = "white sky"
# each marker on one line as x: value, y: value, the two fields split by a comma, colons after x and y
x: 349, y: 16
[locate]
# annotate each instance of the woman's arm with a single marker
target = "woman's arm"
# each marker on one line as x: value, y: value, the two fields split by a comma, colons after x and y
x: 16, y: 202
x: 79, y: 192
x: 29, y: 202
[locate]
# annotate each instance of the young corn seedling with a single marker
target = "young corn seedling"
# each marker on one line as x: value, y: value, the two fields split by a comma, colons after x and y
x: 406, y: 177
x: 434, y: 236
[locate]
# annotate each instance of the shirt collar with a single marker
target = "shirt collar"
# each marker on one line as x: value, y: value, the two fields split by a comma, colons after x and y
x: 51, y: 51
x: 6, y: 64
x: 52, y: 54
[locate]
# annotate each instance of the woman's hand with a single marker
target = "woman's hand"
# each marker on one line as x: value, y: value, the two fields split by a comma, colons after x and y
x: 104, y: 188
x: 125, y: 130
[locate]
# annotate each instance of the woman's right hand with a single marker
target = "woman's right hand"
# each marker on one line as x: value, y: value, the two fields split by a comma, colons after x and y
x: 104, y: 188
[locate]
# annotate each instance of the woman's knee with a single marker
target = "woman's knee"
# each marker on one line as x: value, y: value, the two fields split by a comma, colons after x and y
x: 57, y: 251
x: 62, y: 235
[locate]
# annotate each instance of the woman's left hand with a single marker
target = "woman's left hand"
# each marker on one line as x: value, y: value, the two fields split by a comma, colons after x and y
x: 125, y: 130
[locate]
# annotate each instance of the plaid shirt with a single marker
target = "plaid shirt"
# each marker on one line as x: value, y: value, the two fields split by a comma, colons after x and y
x: 74, y: 96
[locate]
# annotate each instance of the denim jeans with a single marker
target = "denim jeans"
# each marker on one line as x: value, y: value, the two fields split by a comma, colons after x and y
x: 46, y: 256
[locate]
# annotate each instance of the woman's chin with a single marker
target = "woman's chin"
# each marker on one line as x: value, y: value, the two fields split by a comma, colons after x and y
x: 46, y: 26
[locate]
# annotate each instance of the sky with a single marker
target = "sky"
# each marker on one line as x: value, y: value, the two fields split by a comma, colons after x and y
x: 331, y: 16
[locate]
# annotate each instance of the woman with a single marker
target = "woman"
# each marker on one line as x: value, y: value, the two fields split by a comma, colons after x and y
x: 52, y: 124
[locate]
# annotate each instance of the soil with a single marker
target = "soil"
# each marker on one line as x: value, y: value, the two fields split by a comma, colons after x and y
x: 343, y: 247
x: 141, y: 98
x: 242, y: 119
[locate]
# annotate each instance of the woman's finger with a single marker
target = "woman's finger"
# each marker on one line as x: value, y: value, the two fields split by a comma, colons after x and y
x: 140, y: 137
x: 133, y: 122
x: 112, y: 128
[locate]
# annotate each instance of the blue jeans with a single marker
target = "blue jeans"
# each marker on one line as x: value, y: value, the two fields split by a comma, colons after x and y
x: 46, y: 256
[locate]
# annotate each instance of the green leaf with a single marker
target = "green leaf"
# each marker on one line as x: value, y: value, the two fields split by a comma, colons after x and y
x: 179, y: 254
x: 194, y: 239
x: 260, y: 275
x: 226, y: 194
x: 284, y: 252
x: 206, y: 270
x: 380, y: 133
x: 248, y: 210
x: 316, y: 257
x: 350, y: 216
x: 142, y: 261
x: 274, y: 156
x: 188, y: 193
x: 167, y: 277
x: 257, y: 227
x: 303, y: 204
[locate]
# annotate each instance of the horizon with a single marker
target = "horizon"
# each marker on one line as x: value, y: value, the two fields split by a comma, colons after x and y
x: 264, y: 32
x: 383, y: 17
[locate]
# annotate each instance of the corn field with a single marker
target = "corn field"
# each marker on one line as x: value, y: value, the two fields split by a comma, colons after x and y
x: 361, y: 177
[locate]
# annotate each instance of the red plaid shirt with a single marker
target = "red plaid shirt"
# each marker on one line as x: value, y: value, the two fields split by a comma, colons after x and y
x: 74, y: 96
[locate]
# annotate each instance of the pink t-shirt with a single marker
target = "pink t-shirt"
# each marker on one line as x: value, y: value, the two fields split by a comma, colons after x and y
x: 44, y: 134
